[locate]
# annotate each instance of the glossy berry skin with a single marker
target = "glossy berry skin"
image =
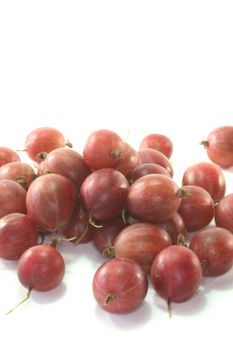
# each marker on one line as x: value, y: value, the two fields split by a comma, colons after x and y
x: 128, y: 160
x: 12, y: 198
x: 104, y: 237
x: 208, y: 176
x: 41, y: 268
x: 197, y: 209
x: 176, y: 273
x: 120, y: 285
x: 103, y: 149
x: 141, y: 242
x: 175, y: 227
x: 153, y: 198
x: 78, y: 227
x: 223, y: 213
x: 214, y: 248
x: 17, y: 234
x: 43, y: 140
x: 20, y: 172
x: 104, y: 193
x: 149, y: 155
x: 69, y: 163
x: 219, y: 146
x: 50, y: 201
x: 158, y: 142
x: 146, y: 169
x: 7, y: 155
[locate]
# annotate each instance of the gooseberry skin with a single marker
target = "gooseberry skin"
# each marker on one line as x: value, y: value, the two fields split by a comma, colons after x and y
x: 67, y: 162
x: 128, y: 160
x: 20, y: 172
x: 153, y: 198
x: 120, y: 285
x: 41, y: 268
x: 50, y: 201
x: 78, y: 227
x: 141, y: 242
x: 208, y: 176
x: 103, y: 149
x: 214, y: 248
x: 175, y: 227
x: 219, y: 146
x: 159, y: 142
x: 43, y: 140
x: 104, y: 193
x: 7, y: 155
x: 197, y: 208
x: 17, y: 234
x: 104, y: 237
x: 149, y: 155
x: 12, y: 198
x: 223, y: 213
x: 146, y: 169
x: 176, y: 273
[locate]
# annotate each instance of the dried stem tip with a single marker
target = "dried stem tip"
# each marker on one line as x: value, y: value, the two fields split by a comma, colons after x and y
x: 109, y: 298
x: 116, y: 153
x: 182, y: 193
x: 109, y: 251
x: 204, y: 143
x: 42, y: 155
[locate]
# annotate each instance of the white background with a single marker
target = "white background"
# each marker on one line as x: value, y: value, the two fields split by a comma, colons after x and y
x: 135, y: 67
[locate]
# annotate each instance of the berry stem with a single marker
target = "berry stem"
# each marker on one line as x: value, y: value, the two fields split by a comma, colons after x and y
x: 204, y: 143
x: 182, y: 193
x: 109, y: 251
x: 42, y: 155
x: 109, y: 298
x: 93, y: 222
x: 116, y: 153
x: 169, y: 307
x: 181, y: 240
x: 21, y: 302
x: 82, y: 235
x: 124, y: 216
x: 69, y: 144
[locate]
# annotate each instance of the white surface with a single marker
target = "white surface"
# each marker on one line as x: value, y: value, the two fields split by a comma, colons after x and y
x: 144, y: 66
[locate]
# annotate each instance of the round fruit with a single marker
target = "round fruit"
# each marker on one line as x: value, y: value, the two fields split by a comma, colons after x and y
x: 12, y: 198
x: 104, y: 193
x: 223, y: 213
x: 154, y: 198
x: 141, y: 242
x: 103, y: 149
x: 219, y: 146
x: 67, y: 162
x: 208, y: 176
x: 41, y: 268
x: 17, y: 234
x: 197, y: 209
x: 17, y: 171
x: 50, y: 201
x: 176, y: 273
x: 42, y: 141
x: 214, y: 248
x: 158, y: 142
x: 120, y: 285
x: 7, y: 155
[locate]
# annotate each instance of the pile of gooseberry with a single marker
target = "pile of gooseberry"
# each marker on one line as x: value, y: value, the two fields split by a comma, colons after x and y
x: 125, y: 202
